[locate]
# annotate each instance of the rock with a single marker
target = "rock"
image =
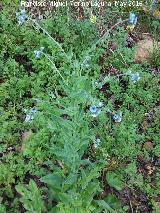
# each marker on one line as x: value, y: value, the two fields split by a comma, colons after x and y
x: 144, y: 49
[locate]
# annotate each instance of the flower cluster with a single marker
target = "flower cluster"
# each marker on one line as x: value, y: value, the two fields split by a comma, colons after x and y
x: 30, y: 114
x: 21, y: 16
x: 132, y: 21
x: 38, y: 53
x: 117, y: 117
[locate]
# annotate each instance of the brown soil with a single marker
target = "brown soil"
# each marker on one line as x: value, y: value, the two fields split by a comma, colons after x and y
x: 144, y: 49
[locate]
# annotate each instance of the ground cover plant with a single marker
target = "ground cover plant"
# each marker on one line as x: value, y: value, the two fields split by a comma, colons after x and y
x: 79, y: 115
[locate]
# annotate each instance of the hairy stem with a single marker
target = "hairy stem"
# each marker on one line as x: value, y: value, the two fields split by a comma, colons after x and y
x: 45, y: 32
x: 54, y: 66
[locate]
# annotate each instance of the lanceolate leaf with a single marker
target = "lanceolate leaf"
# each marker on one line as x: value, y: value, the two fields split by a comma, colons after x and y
x: 114, y: 181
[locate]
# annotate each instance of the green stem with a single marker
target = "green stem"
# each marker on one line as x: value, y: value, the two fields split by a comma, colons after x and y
x: 105, y: 35
x: 54, y: 67
x: 45, y: 32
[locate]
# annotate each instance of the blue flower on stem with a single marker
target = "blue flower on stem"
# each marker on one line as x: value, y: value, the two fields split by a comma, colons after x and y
x: 85, y: 62
x: 132, y: 21
x: 135, y: 77
x: 38, y: 53
x: 94, y: 111
x: 21, y: 16
x: 30, y: 115
x: 117, y: 117
x: 97, y: 142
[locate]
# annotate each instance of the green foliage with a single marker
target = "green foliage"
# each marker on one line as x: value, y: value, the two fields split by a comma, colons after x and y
x: 31, y: 198
x: 114, y: 181
x: 2, y: 207
x: 59, y: 147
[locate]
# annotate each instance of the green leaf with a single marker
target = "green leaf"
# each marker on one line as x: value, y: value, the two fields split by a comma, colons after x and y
x: 114, y: 181
x: 70, y: 180
x: 31, y: 197
x: 157, y: 150
x: 113, y: 201
x: 54, y: 180
x: 105, y: 206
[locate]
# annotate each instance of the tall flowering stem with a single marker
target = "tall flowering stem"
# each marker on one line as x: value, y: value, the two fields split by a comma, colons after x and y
x: 54, y: 67
x: 105, y: 35
x: 45, y: 32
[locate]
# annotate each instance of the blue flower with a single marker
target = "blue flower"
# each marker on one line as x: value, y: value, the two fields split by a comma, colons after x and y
x: 135, y: 77
x: 97, y: 142
x: 38, y: 53
x: 85, y: 62
x: 33, y: 110
x: 94, y: 111
x: 117, y: 117
x: 132, y: 19
x: 21, y: 16
x: 30, y: 114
